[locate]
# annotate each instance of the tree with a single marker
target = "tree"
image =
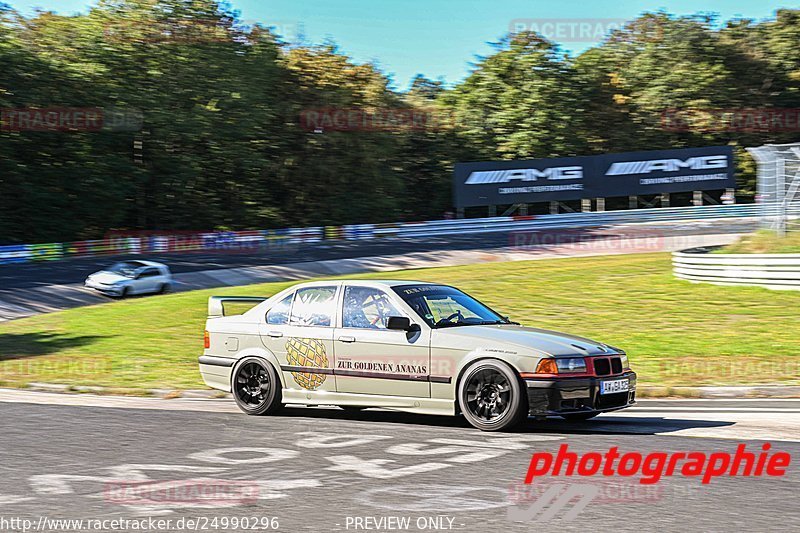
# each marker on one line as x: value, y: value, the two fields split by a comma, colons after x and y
x: 524, y: 101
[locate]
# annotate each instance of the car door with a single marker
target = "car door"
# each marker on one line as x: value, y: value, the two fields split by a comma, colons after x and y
x: 299, y: 331
x: 146, y: 281
x: 371, y: 359
x: 138, y: 283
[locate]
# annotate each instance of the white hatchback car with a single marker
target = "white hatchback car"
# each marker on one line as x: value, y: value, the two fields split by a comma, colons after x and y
x: 127, y: 278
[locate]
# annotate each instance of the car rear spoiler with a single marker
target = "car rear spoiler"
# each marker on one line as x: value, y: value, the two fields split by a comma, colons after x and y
x: 216, y: 304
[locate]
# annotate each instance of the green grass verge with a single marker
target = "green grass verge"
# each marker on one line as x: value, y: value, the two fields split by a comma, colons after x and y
x: 764, y: 242
x: 676, y: 333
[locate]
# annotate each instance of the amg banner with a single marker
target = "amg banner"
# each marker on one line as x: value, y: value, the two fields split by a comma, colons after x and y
x: 602, y: 176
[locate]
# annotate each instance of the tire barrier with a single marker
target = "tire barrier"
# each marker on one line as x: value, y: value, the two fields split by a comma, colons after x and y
x: 773, y: 271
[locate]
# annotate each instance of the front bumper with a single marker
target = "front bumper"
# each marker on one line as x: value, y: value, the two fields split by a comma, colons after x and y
x: 113, y: 290
x: 558, y: 396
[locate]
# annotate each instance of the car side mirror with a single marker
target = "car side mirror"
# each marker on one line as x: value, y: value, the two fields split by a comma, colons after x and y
x: 399, y: 322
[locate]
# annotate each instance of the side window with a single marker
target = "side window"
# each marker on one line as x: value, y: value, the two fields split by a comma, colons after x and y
x: 279, y: 314
x: 314, y: 306
x: 365, y: 307
x: 149, y: 273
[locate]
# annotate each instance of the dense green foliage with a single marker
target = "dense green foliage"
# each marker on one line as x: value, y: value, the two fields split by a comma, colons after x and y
x: 222, y: 143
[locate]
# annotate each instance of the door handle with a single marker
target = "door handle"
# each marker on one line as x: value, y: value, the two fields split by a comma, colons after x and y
x: 347, y: 339
x: 275, y: 334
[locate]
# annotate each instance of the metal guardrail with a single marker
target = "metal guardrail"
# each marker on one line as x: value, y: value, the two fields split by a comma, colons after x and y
x: 255, y: 240
x: 567, y: 220
x: 773, y: 271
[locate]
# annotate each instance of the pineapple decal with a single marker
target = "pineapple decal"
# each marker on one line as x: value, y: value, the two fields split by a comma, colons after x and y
x: 310, y: 353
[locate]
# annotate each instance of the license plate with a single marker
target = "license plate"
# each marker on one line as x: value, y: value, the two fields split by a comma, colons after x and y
x: 611, y: 387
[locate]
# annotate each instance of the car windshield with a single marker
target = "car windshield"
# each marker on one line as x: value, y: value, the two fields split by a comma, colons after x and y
x: 441, y: 306
x: 127, y: 269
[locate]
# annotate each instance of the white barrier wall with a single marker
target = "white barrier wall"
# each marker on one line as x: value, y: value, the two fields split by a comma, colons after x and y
x: 773, y: 271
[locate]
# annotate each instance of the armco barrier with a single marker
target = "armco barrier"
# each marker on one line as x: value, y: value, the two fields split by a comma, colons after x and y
x: 773, y: 271
x: 260, y: 240
x: 570, y: 220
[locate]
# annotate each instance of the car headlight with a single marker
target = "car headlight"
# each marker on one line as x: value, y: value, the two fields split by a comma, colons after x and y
x: 572, y: 365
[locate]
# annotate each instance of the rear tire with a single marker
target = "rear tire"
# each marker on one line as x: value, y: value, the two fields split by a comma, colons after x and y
x: 491, y: 396
x: 256, y: 387
x: 579, y: 417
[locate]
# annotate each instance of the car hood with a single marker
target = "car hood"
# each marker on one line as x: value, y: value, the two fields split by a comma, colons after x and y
x: 107, y: 278
x: 520, y: 339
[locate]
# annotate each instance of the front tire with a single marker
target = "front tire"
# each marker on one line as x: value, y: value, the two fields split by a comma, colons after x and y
x: 256, y: 387
x: 490, y: 395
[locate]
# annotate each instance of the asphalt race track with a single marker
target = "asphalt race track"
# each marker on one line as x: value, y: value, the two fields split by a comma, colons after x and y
x: 75, y: 270
x: 323, y: 469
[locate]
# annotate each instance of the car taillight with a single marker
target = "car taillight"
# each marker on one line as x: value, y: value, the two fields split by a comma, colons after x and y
x: 206, y: 340
x: 547, y: 366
